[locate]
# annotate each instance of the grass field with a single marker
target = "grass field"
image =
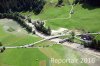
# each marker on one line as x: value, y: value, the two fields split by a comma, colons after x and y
x: 29, y: 57
x: 22, y: 57
x: 82, y: 19
x: 61, y: 52
x: 32, y: 57
x: 86, y: 18
x: 15, y: 38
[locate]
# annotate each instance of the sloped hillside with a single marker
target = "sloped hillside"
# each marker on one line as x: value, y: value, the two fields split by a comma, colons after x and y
x: 84, y: 17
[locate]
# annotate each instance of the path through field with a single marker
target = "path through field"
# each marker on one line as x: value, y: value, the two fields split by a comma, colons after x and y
x: 70, y: 15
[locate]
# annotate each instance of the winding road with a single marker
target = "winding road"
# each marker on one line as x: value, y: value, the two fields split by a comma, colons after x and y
x: 75, y: 46
x: 46, y: 38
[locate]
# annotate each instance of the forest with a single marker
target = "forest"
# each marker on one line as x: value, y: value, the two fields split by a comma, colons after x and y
x: 89, y: 2
x: 7, y: 6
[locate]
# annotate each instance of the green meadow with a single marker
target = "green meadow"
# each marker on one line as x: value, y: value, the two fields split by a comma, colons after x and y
x: 83, y: 19
x: 32, y: 56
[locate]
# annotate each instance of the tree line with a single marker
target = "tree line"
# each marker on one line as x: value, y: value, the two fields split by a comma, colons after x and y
x: 39, y: 25
x: 90, y: 2
x: 92, y: 43
x: 20, y: 19
x: 21, y: 5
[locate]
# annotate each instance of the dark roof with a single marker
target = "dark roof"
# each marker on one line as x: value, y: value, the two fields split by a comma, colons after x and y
x: 87, y: 37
